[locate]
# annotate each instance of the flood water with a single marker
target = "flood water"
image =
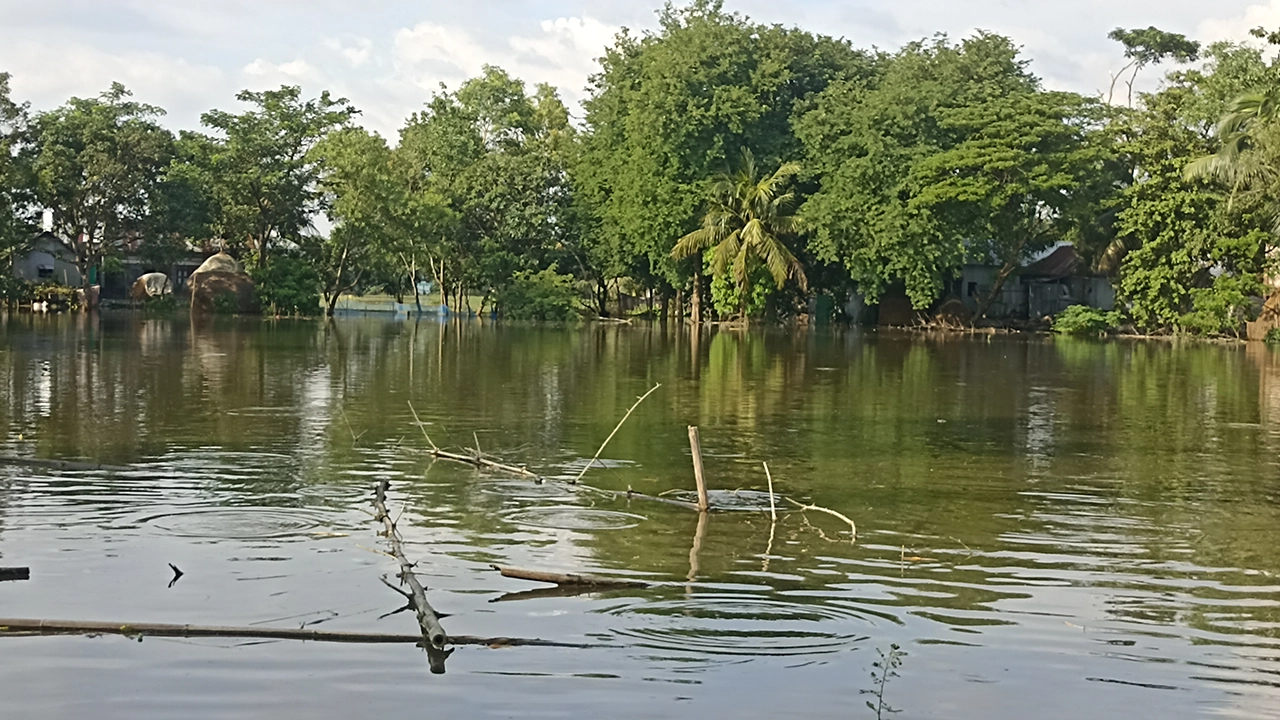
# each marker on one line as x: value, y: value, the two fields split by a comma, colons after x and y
x: 1048, y: 528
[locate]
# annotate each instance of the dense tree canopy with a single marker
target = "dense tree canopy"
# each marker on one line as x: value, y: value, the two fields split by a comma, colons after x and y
x: 778, y: 163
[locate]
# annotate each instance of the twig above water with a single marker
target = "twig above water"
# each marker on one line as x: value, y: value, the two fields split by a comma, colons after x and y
x: 853, y: 528
x: 615, y: 432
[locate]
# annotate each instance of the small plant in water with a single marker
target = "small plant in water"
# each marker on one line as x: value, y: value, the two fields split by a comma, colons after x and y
x: 884, y: 669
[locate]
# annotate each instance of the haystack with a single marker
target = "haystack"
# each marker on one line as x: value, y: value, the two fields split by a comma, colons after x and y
x: 221, y: 276
x: 151, y: 285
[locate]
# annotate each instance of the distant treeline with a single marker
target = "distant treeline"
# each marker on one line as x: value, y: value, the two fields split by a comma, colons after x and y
x: 723, y: 168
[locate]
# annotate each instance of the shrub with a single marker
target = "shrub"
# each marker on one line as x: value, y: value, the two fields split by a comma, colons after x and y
x: 1084, y: 320
x: 286, y: 285
x: 545, y: 295
x: 1272, y: 337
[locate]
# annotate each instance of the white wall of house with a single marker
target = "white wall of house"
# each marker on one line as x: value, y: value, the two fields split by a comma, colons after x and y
x: 48, y: 261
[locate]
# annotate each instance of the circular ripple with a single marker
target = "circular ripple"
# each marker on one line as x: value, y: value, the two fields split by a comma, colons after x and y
x: 526, y: 490
x: 739, y: 625
x: 574, y: 518
x: 729, y: 500
x: 239, y: 523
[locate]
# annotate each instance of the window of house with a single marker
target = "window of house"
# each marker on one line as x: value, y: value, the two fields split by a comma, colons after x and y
x: 973, y: 289
x: 44, y: 273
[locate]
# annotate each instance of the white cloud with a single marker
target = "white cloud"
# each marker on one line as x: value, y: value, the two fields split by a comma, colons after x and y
x: 1236, y: 27
x: 357, y: 53
x: 183, y: 88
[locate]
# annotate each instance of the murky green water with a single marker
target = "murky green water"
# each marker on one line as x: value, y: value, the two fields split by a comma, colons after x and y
x: 1049, y: 529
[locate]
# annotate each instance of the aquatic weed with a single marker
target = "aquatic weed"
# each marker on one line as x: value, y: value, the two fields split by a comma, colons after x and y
x: 884, y: 669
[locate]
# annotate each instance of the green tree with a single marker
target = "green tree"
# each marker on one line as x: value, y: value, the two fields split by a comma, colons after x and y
x: 747, y: 218
x: 1030, y: 170
x: 98, y: 169
x: 669, y: 110
x: 1149, y: 46
x: 951, y: 151
x: 1196, y: 256
x: 17, y: 183
x: 259, y: 165
x: 496, y: 158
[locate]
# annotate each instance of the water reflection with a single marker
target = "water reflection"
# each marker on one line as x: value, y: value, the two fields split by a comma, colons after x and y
x: 1102, y: 509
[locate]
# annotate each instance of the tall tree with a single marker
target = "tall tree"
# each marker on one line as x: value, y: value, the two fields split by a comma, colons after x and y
x: 261, y: 169
x: 747, y: 219
x: 670, y: 109
x: 17, y: 183
x: 1149, y: 46
x: 872, y: 144
x: 1195, y: 254
x: 98, y: 169
x: 498, y: 159
x: 1030, y: 170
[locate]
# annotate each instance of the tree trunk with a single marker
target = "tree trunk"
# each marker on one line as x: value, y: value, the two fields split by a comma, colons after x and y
x: 602, y: 297
x: 1005, y: 272
x: 695, y: 303
x: 1010, y: 266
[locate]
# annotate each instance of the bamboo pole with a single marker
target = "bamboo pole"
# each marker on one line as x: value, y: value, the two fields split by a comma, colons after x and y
x: 773, y: 510
x: 695, y: 445
x: 615, y: 432
x: 428, y: 619
x: 24, y: 626
x: 571, y: 579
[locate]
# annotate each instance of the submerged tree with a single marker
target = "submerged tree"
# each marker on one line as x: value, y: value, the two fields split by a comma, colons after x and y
x: 747, y: 218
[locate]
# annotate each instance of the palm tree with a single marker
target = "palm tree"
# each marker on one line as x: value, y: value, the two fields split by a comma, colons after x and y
x: 746, y: 221
x: 1243, y: 133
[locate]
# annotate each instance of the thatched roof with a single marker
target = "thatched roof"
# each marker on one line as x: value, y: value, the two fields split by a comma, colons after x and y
x: 221, y: 262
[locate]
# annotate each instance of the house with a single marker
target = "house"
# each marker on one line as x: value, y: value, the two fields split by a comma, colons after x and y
x: 1045, y: 287
x: 49, y: 260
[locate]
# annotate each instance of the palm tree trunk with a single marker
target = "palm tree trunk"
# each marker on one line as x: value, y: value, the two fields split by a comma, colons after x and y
x: 695, y: 303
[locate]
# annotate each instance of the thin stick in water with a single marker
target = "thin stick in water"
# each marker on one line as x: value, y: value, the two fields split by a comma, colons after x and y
x: 773, y: 511
x: 852, y: 527
x: 615, y: 432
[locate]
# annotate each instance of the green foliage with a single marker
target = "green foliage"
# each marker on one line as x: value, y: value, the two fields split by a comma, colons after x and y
x: 226, y: 304
x: 259, y: 168
x: 668, y: 112
x: 747, y: 218
x: 542, y: 295
x: 487, y: 171
x: 727, y: 295
x: 1196, y: 252
x: 951, y: 152
x: 17, y: 182
x: 1084, y: 320
x: 97, y: 167
x: 163, y: 305
x: 1272, y: 338
x: 289, y: 285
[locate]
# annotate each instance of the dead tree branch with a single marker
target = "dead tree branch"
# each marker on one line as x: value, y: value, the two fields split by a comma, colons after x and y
x: 434, y: 635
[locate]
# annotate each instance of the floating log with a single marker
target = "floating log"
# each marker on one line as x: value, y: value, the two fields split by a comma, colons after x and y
x: 23, y: 626
x: 571, y: 579
x: 14, y: 573
x: 428, y: 618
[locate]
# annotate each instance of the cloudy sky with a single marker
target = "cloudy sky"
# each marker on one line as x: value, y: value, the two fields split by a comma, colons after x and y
x: 387, y: 56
